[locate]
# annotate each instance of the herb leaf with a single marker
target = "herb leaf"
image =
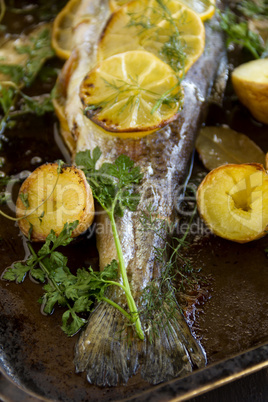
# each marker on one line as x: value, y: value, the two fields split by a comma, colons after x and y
x: 75, y: 292
x: 17, y: 272
x: 114, y: 183
x: 238, y: 32
x: 113, y: 186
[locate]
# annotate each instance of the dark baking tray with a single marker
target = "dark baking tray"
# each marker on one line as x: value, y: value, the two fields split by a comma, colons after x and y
x: 198, y: 383
x: 36, y: 359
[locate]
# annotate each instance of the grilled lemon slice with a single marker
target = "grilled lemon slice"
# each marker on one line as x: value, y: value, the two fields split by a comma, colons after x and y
x: 168, y: 29
x: 63, y: 27
x: 131, y: 92
x: 48, y: 199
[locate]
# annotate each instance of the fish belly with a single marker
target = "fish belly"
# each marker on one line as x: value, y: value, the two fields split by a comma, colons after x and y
x: 107, y: 349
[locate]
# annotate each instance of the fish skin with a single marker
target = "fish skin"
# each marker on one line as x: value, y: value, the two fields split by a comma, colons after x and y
x: 107, y: 349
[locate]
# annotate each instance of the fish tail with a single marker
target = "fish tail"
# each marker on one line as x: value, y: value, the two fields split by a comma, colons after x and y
x: 171, y: 350
x: 103, y: 349
x: 111, y: 353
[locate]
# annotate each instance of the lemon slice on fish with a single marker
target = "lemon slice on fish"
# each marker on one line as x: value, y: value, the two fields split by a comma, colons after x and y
x: 131, y: 92
x: 166, y: 28
x: 70, y: 17
x: 62, y: 31
x: 204, y: 8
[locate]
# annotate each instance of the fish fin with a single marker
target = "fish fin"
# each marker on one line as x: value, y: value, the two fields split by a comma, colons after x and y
x: 171, y: 351
x: 103, y: 349
x: 111, y: 354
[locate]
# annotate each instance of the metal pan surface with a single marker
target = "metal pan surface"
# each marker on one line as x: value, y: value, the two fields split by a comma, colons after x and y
x: 228, y: 314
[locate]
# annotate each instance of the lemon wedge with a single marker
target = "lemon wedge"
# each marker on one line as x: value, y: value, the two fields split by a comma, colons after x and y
x: 131, y: 92
x: 168, y: 29
x: 63, y: 26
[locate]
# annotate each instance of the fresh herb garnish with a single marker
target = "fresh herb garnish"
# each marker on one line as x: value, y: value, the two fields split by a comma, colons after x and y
x: 239, y: 33
x: 24, y: 199
x: 37, y: 49
x: 159, y: 295
x: 172, y: 51
x: 113, y: 187
x: 75, y: 292
x: 253, y: 9
x: 120, y: 87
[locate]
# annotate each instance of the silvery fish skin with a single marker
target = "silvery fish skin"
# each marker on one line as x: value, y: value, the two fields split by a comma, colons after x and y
x: 104, y: 349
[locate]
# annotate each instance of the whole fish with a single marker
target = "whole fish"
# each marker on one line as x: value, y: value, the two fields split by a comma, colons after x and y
x: 107, y: 349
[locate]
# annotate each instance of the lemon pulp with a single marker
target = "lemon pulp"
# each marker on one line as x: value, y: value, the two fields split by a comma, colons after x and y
x: 131, y: 92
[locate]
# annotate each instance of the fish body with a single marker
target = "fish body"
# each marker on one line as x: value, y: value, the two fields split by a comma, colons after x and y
x: 108, y: 349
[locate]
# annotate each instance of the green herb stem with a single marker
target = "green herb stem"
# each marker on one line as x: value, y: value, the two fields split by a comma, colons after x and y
x: 128, y: 316
x: 131, y: 303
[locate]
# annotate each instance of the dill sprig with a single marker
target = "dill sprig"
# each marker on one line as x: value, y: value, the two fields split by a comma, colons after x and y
x: 173, y: 50
x: 159, y: 295
x: 133, y: 92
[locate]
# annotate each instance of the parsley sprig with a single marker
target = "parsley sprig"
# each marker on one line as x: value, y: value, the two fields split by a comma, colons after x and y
x: 113, y: 186
x: 74, y: 292
x: 238, y: 32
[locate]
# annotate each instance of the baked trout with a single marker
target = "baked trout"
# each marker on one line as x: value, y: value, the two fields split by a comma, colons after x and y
x: 107, y: 349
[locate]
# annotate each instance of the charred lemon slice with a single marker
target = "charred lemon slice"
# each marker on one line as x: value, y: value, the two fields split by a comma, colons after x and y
x: 168, y: 29
x: 233, y: 201
x: 63, y: 26
x: 48, y: 199
x: 131, y: 92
